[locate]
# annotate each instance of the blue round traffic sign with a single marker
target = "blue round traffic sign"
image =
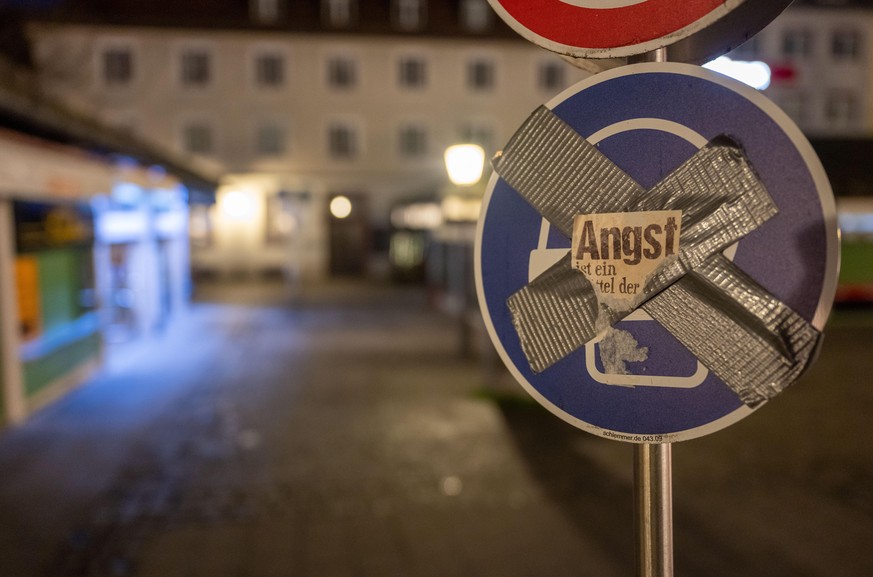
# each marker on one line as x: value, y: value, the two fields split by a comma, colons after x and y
x: 648, y: 120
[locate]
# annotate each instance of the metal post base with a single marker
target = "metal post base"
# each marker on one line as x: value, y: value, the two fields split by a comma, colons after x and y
x: 653, y: 510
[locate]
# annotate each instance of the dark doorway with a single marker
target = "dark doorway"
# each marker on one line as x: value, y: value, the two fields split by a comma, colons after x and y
x: 349, y: 233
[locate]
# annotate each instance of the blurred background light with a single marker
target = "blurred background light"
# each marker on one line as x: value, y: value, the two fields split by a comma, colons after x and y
x: 127, y: 193
x: 418, y: 216
x: 459, y: 208
x: 755, y: 73
x: 464, y: 163
x: 237, y: 205
x: 340, y: 207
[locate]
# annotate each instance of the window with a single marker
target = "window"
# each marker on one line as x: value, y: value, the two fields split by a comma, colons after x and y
x: 480, y: 74
x: 282, y: 216
x: 846, y: 44
x: 342, y: 141
x: 412, y: 141
x: 841, y: 109
x: 477, y: 132
x: 409, y: 14
x: 266, y: 11
x: 338, y: 13
x: 117, y: 66
x: 198, y: 138
x: 341, y: 73
x: 199, y: 225
x: 195, y: 68
x: 797, y: 43
x: 551, y: 76
x: 270, y: 140
x: 475, y: 15
x: 796, y: 106
x: 412, y: 72
x: 269, y: 70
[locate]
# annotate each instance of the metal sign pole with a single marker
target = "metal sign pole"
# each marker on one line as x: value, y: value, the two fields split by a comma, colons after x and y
x: 653, y: 509
x: 554, y: 163
x: 564, y: 135
x: 653, y: 485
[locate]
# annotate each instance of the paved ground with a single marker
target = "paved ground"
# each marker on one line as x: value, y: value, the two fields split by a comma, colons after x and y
x: 338, y: 433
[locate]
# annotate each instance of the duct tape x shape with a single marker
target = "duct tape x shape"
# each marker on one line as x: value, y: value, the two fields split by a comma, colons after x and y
x: 752, y: 341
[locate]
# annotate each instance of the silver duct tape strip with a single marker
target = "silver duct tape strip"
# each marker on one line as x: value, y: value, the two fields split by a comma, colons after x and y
x: 717, y: 173
x: 728, y: 224
x: 554, y: 315
x: 753, y: 342
x: 558, y: 312
x: 561, y: 174
x: 722, y: 200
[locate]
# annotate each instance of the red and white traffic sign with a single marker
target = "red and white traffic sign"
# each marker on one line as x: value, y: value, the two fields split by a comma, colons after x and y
x: 621, y: 28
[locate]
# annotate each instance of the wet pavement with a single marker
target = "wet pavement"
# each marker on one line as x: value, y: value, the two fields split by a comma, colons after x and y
x: 338, y: 432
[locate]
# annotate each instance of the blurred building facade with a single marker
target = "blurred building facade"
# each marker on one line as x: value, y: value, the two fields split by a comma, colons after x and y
x: 300, y: 102
x: 820, y: 54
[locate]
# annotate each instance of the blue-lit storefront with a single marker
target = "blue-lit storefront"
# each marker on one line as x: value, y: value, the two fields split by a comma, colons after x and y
x: 92, y: 253
x: 142, y: 256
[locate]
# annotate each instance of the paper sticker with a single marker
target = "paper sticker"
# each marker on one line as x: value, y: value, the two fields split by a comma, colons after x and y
x: 618, y: 251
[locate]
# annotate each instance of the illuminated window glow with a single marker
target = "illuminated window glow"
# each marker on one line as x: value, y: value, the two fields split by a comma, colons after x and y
x: 237, y: 205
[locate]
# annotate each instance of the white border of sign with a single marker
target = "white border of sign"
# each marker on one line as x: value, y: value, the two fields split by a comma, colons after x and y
x: 823, y: 187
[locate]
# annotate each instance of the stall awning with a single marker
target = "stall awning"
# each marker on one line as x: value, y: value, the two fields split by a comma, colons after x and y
x: 26, y: 109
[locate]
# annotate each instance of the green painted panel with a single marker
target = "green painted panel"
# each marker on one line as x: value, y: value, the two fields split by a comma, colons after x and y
x: 856, y: 265
x: 59, y: 280
x: 43, y: 371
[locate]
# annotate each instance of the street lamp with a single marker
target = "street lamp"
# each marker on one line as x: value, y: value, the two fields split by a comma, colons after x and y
x: 464, y: 163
